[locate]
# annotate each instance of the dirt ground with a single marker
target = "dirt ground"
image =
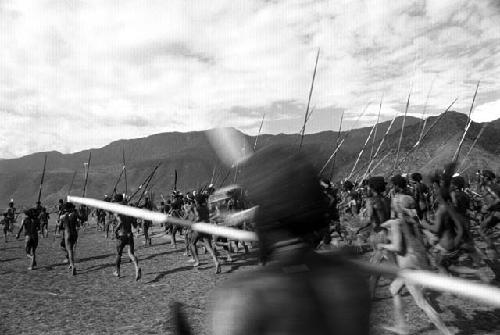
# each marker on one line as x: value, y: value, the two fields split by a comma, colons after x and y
x: 48, y: 300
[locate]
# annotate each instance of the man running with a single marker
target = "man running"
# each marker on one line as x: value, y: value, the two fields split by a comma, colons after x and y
x: 410, y: 253
x: 30, y: 227
x: 69, y: 224
x: 202, y: 215
x: 378, y: 211
x: 124, y: 237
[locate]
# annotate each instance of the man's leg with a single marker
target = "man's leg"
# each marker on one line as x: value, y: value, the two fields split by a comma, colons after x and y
x: 399, y: 319
x: 134, y: 259
x: 119, y: 250
x: 70, y: 244
x: 208, y: 246
x: 418, y: 296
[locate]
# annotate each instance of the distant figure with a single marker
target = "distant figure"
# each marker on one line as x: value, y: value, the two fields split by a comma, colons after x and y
x: 30, y: 227
x: 44, y: 222
x: 69, y: 224
x: 9, y: 219
x: 124, y: 237
x: 298, y: 291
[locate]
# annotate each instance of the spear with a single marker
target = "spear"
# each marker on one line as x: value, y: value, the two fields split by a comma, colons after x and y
x: 41, y: 179
x: 260, y: 128
x: 175, y: 180
x: 125, y: 170
x: 309, y: 101
x: 457, y: 152
x: 337, y: 143
x: 117, y: 181
x: 213, y: 171
x: 474, y: 144
x: 402, y: 133
x: 87, y: 168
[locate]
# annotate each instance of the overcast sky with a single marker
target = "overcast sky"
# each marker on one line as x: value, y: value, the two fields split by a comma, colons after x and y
x: 80, y: 74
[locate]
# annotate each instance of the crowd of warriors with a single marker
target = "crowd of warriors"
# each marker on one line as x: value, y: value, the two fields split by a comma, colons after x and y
x: 403, y: 221
x: 420, y: 226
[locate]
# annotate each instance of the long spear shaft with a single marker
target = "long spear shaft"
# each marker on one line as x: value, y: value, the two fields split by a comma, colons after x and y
x: 469, y: 122
x: 258, y: 134
x: 41, y: 179
x: 402, y: 133
x: 309, y: 101
x: 124, y: 170
x: 337, y: 144
x: 87, y: 175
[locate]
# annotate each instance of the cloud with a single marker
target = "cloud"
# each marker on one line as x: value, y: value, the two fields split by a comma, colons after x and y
x: 487, y: 112
x: 80, y: 74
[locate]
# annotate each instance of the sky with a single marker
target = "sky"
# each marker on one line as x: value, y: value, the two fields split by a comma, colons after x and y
x: 80, y: 74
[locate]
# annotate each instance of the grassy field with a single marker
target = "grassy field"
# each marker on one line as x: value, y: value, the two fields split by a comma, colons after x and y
x: 48, y: 300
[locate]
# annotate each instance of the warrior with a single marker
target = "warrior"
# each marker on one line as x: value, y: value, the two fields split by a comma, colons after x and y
x: 175, y: 211
x: 421, y: 196
x: 70, y: 224
x: 30, y: 227
x: 202, y: 215
x: 125, y: 237
x: 9, y: 219
x: 60, y: 211
x: 44, y: 222
x: 298, y: 291
x: 378, y: 211
x: 410, y: 254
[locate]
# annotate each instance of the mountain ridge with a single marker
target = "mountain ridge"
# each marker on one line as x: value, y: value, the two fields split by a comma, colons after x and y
x: 195, y: 160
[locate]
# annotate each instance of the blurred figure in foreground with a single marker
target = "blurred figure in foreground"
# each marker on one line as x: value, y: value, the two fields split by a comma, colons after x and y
x: 298, y: 291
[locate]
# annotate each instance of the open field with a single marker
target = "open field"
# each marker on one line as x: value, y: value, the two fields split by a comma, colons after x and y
x: 49, y: 300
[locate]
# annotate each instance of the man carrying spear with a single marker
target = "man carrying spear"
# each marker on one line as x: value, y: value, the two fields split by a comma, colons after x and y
x: 124, y: 237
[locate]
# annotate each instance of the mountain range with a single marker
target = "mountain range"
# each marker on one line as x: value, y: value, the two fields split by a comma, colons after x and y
x: 196, y: 162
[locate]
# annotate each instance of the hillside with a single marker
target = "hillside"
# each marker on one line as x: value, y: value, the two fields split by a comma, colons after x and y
x: 194, y: 159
